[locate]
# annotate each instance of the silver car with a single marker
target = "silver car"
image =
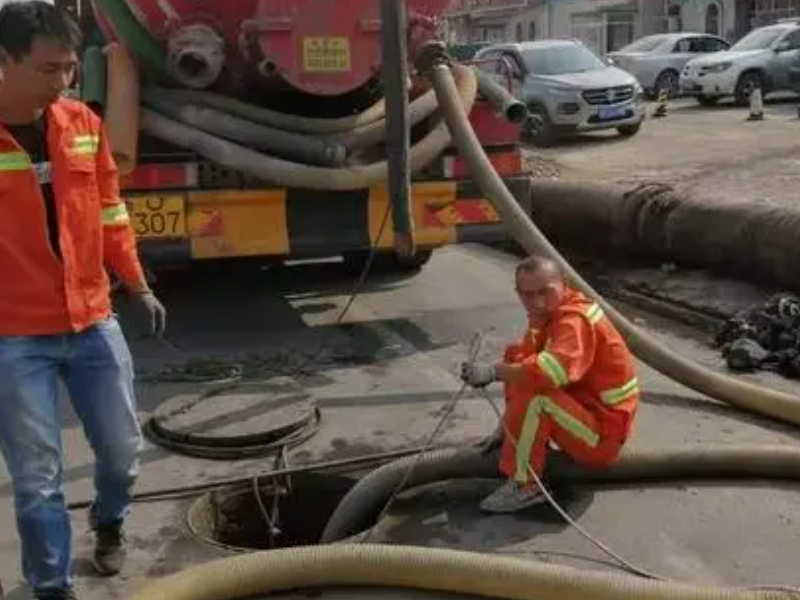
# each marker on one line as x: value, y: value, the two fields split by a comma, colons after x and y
x: 657, y: 60
x: 566, y: 87
x: 764, y: 59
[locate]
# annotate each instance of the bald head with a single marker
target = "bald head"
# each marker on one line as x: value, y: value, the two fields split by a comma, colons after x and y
x: 541, y: 288
x: 538, y: 264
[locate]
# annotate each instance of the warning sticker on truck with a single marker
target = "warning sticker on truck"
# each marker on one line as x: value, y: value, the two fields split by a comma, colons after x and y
x: 326, y: 54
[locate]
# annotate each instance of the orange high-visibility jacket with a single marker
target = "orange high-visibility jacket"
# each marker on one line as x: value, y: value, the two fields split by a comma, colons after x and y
x: 42, y: 293
x: 581, y: 352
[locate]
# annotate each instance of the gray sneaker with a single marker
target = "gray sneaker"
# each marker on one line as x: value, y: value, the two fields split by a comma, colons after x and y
x: 109, y: 550
x: 512, y: 497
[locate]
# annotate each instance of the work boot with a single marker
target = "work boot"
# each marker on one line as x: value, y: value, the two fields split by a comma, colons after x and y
x: 55, y: 594
x: 512, y: 497
x: 109, y: 550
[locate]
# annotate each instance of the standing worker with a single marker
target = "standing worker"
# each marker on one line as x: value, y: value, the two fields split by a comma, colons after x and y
x: 569, y: 381
x: 61, y: 223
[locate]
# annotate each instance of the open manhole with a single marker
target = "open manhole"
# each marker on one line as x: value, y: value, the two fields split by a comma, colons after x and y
x: 236, y: 520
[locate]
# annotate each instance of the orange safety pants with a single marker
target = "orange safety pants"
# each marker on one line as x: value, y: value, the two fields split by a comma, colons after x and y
x: 588, y: 436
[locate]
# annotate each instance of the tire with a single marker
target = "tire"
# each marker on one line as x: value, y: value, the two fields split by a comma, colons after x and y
x: 409, y: 263
x: 707, y: 100
x: 629, y: 130
x: 544, y: 135
x: 669, y: 80
x: 385, y: 262
x: 745, y: 86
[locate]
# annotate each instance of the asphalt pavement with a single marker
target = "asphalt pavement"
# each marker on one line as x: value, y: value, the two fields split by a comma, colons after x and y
x: 381, y: 379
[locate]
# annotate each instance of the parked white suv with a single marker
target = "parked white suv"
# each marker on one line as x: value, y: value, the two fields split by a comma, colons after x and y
x: 763, y: 58
x: 566, y: 87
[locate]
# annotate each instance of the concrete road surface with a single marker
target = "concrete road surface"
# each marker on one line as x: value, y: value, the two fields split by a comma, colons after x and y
x: 712, y: 152
x: 381, y: 379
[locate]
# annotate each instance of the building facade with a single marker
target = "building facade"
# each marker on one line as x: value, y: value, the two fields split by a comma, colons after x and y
x: 607, y: 25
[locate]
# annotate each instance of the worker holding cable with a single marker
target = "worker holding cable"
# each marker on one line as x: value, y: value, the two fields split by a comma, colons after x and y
x: 569, y: 382
x: 62, y: 222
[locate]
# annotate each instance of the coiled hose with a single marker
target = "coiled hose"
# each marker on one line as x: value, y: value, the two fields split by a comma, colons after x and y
x: 488, y: 575
x: 291, y: 174
x: 274, y: 118
x: 285, y: 144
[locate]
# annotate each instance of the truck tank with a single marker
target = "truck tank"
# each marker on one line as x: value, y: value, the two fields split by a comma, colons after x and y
x: 327, y: 49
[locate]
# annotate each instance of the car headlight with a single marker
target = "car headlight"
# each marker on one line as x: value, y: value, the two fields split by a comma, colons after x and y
x: 560, y: 89
x: 719, y: 67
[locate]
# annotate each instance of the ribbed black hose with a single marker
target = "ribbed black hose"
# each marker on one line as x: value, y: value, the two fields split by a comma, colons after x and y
x: 303, y: 148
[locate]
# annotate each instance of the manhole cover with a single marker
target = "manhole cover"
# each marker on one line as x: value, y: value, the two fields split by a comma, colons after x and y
x: 234, y: 422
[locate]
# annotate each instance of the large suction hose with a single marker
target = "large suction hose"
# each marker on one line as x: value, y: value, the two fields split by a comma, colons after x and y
x: 274, y: 118
x: 260, y: 573
x: 739, y: 393
x: 363, y: 503
x: 501, y: 99
x: 285, y: 144
x: 290, y: 174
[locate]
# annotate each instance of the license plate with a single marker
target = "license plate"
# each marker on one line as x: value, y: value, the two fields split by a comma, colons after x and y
x: 612, y: 112
x: 158, y: 216
x: 326, y: 54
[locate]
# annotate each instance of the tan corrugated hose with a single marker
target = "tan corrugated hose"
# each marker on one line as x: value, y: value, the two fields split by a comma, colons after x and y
x: 485, y: 574
x: 414, y: 567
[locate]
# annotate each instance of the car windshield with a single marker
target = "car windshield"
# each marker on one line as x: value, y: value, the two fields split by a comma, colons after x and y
x: 558, y: 60
x: 759, y: 39
x: 646, y: 44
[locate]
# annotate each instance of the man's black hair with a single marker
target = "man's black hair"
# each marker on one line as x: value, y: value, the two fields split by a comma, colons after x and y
x: 21, y: 22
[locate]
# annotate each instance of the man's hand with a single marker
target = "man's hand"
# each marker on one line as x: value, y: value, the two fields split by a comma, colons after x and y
x: 156, y: 310
x: 478, y: 375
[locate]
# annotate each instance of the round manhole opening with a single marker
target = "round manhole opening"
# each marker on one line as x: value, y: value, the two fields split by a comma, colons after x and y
x: 285, y: 516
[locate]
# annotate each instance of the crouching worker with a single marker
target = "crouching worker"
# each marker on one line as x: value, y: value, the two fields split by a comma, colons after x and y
x: 569, y: 381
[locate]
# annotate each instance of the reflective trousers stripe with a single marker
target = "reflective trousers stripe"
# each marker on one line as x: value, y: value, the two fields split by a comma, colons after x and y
x: 548, y: 363
x: 530, y: 428
x: 14, y: 161
x: 115, y: 215
x: 616, y: 395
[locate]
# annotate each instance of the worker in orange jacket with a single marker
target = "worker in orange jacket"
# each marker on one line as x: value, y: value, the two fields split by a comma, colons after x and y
x: 62, y: 223
x: 569, y: 381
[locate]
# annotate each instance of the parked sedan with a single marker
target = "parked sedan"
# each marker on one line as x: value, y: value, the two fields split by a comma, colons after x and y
x: 657, y: 60
x: 763, y: 59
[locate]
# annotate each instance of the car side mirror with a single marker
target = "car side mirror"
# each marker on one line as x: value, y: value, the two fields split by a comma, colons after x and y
x: 783, y: 46
x: 610, y: 61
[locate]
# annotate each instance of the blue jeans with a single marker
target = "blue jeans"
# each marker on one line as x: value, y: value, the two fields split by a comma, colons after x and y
x: 96, y: 367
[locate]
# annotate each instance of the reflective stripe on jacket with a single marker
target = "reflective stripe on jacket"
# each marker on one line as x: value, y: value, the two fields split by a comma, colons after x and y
x: 581, y: 352
x: 42, y: 293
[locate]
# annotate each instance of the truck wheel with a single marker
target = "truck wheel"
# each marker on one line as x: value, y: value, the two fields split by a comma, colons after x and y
x: 385, y: 261
x: 745, y: 86
x: 707, y: 100
x: 629, y: 130
x: 409, y: 263
x: 538, y: 127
